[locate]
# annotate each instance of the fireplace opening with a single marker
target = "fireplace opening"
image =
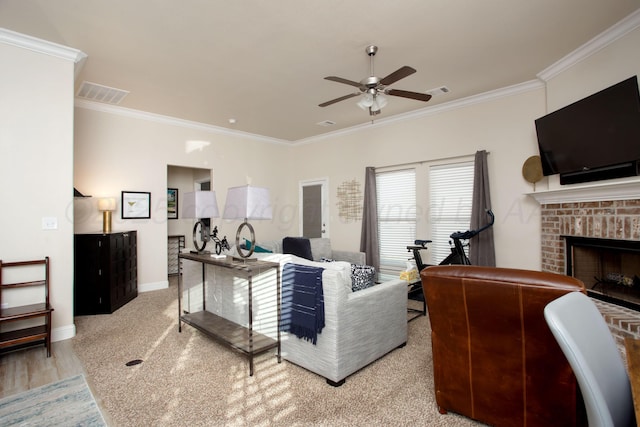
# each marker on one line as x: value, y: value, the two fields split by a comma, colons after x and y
x: 610, y: 269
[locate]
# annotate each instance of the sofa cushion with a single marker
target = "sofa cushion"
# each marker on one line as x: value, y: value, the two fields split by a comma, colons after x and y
x: 298, y: 246
x: 320, y: 248
x: 362, y: 277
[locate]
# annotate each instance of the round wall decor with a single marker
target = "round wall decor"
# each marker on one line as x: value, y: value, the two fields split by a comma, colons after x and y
x: 532, y: 169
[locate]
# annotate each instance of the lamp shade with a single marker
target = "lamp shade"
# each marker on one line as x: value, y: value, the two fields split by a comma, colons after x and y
x: 107, y: 204
x: 366, y: 101
x: 200, y: 204
x: 379, y: 102
x: 247, y: 202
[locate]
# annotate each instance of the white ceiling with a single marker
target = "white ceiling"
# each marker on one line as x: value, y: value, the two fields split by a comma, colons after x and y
x: 264, y: 62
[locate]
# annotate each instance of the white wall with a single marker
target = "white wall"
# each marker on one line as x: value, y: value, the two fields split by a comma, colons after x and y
x: 41, y: 160
x: 616, y: 62
x: 502, y: 125
x: 499, y: 122
x: 123, y: 152
x: 36, y: 168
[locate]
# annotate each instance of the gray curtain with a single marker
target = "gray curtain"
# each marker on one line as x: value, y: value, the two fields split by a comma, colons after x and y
x: 481, y: 247
x: 369, y: 236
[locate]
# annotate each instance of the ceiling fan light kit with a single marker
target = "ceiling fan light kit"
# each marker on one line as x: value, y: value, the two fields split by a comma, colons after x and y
x: 373, y: 88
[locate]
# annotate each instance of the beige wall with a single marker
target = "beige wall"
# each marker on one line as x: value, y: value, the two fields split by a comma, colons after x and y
x: 618, y: 61
x: 119, y: 152
x: 502, y: 125
x: 36, y: 169
x: 42, y: 160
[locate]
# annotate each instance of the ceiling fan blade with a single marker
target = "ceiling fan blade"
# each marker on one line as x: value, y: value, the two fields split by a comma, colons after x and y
x: 342, y: 98
x: 400, y: 73
x: 406, y: 94
x: 341, y: 80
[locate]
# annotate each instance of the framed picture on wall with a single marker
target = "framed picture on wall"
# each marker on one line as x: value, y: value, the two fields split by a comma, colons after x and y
x: 136, y: 204
x: 172, y: 203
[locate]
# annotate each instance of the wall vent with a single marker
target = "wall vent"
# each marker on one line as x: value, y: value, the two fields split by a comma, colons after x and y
x: 100, y: 93
x: 326, y: 123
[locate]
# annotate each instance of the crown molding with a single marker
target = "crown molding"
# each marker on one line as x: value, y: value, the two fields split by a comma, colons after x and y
x: 45, y: 47
x: 159, y: 118
x: 626, y: 25
x: 430, y: 111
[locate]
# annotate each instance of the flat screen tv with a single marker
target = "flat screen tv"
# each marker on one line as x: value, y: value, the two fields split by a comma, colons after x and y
x: 595, y: 138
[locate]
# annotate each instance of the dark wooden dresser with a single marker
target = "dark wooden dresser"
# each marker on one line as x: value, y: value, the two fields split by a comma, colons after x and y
x: 105, y: 276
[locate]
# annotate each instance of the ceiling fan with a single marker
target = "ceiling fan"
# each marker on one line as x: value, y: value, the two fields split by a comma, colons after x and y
x: 373, y: 88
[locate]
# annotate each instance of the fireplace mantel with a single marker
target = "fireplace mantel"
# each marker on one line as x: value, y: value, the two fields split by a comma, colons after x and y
x: 601, y: 191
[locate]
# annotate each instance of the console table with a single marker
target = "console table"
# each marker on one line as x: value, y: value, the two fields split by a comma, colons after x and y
x: 240, y: 338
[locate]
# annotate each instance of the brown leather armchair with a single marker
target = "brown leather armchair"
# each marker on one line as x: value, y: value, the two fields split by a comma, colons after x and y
x: 494, y: 357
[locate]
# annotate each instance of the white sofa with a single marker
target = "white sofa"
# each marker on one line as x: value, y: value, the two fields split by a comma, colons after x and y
x: 320, y: 248
x: 360, y: 327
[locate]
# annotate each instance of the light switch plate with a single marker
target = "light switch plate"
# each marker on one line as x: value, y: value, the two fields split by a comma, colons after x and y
x: 49, y: 223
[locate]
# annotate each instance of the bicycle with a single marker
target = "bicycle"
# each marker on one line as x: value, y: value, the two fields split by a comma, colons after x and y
x: 458, y: 255
x: 219, y: 244
x: 203, y: 225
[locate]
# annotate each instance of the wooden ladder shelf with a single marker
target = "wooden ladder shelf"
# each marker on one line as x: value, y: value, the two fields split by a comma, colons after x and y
x: 12, y: 338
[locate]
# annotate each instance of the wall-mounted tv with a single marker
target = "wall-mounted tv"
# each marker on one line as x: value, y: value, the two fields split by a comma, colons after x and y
x: 595, y: 138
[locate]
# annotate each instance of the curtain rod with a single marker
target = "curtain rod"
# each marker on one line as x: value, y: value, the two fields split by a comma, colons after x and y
x: 420, y: 162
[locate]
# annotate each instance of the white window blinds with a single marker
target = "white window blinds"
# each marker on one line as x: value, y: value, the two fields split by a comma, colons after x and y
x: 450, y: 193
x: 396, y: 199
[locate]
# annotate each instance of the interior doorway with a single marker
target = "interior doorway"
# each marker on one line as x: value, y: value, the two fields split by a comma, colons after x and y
x: 314, y: 212
x: 180, y: 229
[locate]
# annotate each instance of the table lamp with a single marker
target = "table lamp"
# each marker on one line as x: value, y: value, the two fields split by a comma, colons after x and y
x: 201, y: 205
x: 247, y: 202
x: 106, y: 206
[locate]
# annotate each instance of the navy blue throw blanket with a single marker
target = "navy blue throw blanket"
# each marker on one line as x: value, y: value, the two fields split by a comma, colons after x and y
x: 302, y: 301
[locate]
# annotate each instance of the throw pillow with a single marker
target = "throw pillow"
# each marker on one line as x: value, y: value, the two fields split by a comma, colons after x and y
x: 298, y: 246
x: 362, y: 277
x: 257, y: 249
x: 320, y: 248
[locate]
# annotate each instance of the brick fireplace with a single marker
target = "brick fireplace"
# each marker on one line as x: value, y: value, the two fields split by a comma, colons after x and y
x: 606, y: 213
x: 601, y: 210
x: 612, y: 219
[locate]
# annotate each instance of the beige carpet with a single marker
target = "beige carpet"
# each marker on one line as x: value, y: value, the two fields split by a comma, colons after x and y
x: 187, y: 379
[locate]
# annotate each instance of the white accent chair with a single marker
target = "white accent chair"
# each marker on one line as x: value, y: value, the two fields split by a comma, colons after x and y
x: 585, y: 339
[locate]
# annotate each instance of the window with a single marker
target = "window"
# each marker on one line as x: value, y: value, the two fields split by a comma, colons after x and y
x: 396, y: 199
x: 450, y: 193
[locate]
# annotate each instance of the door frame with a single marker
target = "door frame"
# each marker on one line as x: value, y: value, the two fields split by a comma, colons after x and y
x: 324, y: 194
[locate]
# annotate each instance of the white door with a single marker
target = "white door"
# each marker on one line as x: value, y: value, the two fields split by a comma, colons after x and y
x: 314, y: 208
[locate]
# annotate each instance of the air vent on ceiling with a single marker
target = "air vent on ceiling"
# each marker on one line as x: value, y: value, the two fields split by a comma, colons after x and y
x: 100, y: 93
x: 438, y: 91
x: 326, y: 123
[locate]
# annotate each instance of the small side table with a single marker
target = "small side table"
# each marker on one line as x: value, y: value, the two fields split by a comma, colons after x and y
x: 415, y: 293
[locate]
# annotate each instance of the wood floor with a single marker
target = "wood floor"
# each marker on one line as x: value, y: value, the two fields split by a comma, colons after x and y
x: 30, y: 368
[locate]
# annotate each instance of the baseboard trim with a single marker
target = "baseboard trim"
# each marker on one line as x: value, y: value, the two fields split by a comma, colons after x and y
x: 63, y: 333
x: 153, y: 286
